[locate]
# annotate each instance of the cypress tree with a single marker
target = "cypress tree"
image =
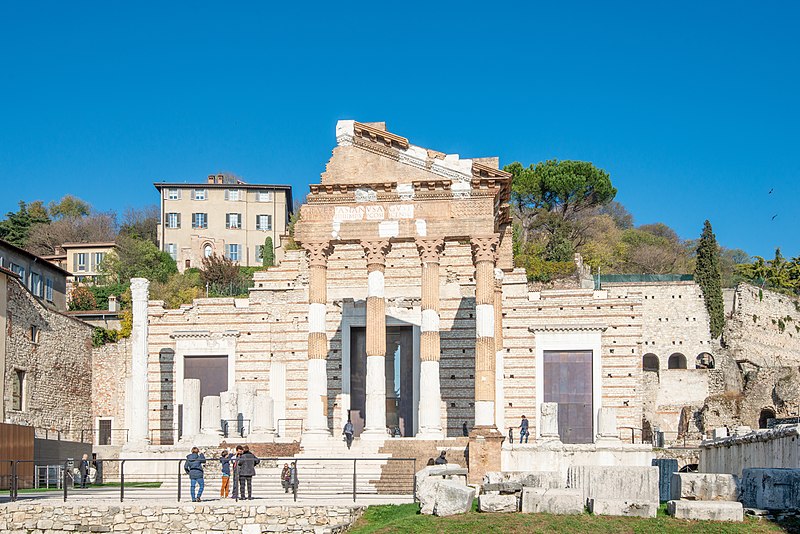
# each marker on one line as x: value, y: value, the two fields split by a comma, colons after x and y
x: 708, y: 277
x: 268, y: 253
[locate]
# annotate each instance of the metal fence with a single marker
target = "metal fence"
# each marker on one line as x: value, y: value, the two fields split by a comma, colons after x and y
x: 165, y: 478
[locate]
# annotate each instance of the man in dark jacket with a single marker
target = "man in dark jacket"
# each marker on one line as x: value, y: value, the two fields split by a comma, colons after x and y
x: 194, y: 468
x: 348, y: 433
x: 441, y: 460
x: 247, y: 470
x: 84, y: 470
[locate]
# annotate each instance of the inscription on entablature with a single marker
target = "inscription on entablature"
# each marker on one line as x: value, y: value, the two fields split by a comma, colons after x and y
x: 373, y: 213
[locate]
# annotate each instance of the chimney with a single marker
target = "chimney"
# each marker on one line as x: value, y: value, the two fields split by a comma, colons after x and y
x: 211, y: 178
x: 220, y: 179
x: 113, y: 305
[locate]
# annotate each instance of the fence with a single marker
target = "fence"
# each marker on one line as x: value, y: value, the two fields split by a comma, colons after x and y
x: 165, y: 478
x: 290, y: 426
x: 104, y: 436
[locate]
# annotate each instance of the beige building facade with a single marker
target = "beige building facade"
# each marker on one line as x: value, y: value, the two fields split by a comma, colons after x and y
x: 222, y: 216
x: 83, y: 259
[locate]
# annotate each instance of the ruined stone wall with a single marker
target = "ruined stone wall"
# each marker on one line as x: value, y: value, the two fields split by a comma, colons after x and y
x: 57, y: 366
x: 111, y: 368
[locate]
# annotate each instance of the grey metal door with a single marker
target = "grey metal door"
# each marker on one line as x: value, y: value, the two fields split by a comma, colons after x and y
x: 568, y: 382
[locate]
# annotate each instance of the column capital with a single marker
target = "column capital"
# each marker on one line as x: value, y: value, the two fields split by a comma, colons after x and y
x: 376, y: 251
x: 318, y: 252
x: 483, y: 247
x: 429, y: 249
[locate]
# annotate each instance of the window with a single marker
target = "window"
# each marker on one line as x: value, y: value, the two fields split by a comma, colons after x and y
x: 199, y: 220
x: 232, y: 252
x: 172, y: 250
x: 263, y: 222
x: 173, y: 194
x: 104, y: 432
x: 232, y: 194
x: 199, y: 194
x: 173, y: 220
x: 34, y: 334
x: 79, y: 260
x: 18, y: 390
x: 264, y: 196
x: 19, y: 270
x: 233, y: 220
x: 677, y: 361
x: 48, y: 289
x: 208, y: 250
x: 259, y: 253
x: 97, y: 259
x: 36, y: 285
x: 650, y: 362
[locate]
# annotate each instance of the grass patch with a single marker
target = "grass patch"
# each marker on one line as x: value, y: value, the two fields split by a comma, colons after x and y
x: 104, y: 485
x: 406, y: 518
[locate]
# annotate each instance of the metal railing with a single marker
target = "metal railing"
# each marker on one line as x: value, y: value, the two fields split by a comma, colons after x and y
x: 389, y: 476
x: 278, y: 426
x: 90, y: 434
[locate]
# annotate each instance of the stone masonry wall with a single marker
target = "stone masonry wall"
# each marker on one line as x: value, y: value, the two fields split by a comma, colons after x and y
x: 111, y: 367
x: 57, y: 366
x: 30, y: 518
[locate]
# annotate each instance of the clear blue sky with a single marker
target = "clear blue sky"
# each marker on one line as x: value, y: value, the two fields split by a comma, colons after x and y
x: 692, y: 107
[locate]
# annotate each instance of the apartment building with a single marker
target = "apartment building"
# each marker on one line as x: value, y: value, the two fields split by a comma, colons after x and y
x: 222, y: 216
x: 45, y: 280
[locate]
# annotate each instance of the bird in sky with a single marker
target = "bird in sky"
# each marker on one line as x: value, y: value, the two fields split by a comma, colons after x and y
x: 773, y: 217
x: 771, y: 190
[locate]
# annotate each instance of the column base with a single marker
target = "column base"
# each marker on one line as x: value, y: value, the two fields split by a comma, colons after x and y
x: 374, y: 435
x: 430, y: 434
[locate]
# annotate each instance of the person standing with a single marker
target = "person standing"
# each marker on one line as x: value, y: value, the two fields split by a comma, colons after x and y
x: 348, y: 433
x: 293, y: 480
x: 235, y: 466
x: 225, y: 464
x: 441, y: 460
x: 247, y: 470
x: 285, y: 478
x: 83, y: 468
x: 194, y: 468
x: 523, y: 429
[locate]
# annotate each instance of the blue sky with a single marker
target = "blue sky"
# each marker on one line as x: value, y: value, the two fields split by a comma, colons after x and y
x: 693, y: 108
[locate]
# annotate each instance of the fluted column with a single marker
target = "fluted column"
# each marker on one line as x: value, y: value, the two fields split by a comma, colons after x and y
x: 499, y: 391
x: 483, y: 249
x: 317, y: 385
x: 375, y: 426
x: 430, y: 396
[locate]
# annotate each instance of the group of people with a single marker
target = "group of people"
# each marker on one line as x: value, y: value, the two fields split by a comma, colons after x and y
x: 523, y: 431
x: 239, y: 465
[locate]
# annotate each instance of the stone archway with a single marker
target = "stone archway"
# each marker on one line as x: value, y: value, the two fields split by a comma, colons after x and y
x: 764, y: 417
x: 677, y: 361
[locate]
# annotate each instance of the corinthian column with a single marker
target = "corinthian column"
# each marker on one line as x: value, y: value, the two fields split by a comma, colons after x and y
x: 375, y: 426
x: 483, y: 249
x: 499, y: 392
x: 317, y: 385
x: 430, y: 396
x: 139, y: 387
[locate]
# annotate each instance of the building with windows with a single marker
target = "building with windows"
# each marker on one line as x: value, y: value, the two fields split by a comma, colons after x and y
x: 45, y: 280
x: 223, y: 216
x: 83, y: 259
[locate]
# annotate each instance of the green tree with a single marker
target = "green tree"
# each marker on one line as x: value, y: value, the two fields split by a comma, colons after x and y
x: 16, y: 227
x: 68, y: 207
x: 138, y: 258
x: 708, y: 277
x: 82, y: 298
x: 179, y: 289
x: 268, y: 253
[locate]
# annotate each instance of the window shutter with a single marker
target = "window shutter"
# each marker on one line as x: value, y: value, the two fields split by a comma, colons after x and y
x: 269, y: 222
x: 178, y: 216
x: 227, y: 215
x: 74, y: 263
x: 179, y: 194
x: 227, y: 196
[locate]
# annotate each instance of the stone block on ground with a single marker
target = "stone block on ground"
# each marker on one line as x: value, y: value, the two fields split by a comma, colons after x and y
x: 530, y: 479
x: 704, y: 487
x: 502, y: 487
x: 442, y: 472
x: 625, y: 508
x: 622, y: 483
x: 452, y: 498
x: 706, y: 510
x: 552, y: 501
x: 498, y: 503
x: 770, y: 489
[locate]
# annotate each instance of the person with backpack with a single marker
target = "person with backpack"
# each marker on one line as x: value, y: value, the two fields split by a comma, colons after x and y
x: 194, y: 468
x: 348, y: 433
x: 247, y: 470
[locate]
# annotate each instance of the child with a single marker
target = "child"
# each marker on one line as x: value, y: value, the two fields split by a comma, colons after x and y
x: 225, y: 462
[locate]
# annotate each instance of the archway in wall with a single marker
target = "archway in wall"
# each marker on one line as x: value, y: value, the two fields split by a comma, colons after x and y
x: 704, y: 360
x: 677, y: 361
x: 650, y: 362
x: 765, y: 416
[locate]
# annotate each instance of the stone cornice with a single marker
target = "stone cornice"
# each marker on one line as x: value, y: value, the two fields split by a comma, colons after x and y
x: 568, y: 328
x: 379, y: 136
x: 479, y: 170
x: 483, y: 247
x: 753, y: 437
x: 190, y: 334
x: 429, y: 249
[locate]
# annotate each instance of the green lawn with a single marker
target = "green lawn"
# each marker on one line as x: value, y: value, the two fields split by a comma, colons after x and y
x: 105, y: 485
x: 406, y: 518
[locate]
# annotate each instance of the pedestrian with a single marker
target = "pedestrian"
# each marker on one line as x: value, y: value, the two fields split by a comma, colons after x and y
x: 348, y: 433
x: 464, y: 430
x: 285, y: 478
x: 441, y: 460
x: 235, y: 466
x: 194, y: 468
x: 83, y: 468
x: 225, y: 464
x: 523, y: 429
x: 510, y: 435
x: 293, y: 480
x: 247, y: 470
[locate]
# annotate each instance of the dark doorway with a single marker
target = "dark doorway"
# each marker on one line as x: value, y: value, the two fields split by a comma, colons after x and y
x: 568, y: 382
x: 104, y: 432
x: 399, y: 379
x: 212, y: 371
x: 764, y: 418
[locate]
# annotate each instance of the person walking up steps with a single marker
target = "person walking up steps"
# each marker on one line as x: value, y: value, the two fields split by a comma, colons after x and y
x: 194, y: 468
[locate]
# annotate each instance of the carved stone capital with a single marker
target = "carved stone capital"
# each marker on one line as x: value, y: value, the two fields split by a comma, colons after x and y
x: 483, y: 247
x: 429, y: 249
x: 376, y: 251
x: 318, y: 252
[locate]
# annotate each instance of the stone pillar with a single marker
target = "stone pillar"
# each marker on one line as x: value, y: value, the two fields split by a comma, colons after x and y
x: 375, y: 426
x: 229, y: 411
x: 499, y: 391
x: 246, y: 399
x: 607, y: 425
x: 548, y: 422
x: 191, y: 409
x: 317, y: 381
x: 139, y: 388
x: 485, y: 355
x: 210, y: 415
x: 430, y: 396
x: 263, y: 426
